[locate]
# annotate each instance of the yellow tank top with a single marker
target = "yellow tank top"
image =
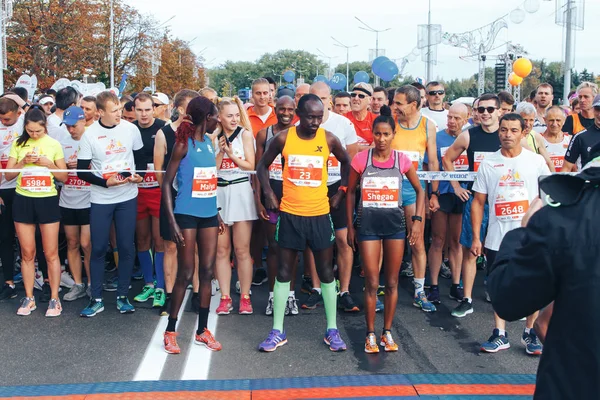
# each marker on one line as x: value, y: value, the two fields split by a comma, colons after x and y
x: 305, y: 175
x: 412, y: 142
x: 531, y: 142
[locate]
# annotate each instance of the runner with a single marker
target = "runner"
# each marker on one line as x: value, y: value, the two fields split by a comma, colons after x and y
x: 193, y: 215
x: 272, y: 89
x: 47, y: 102
x: 235, y: 198
x: 304, y: 213
x: 341, y: 103
x: 261, y: 114
x: 555, y: 140
x: 284, y: 109
x: 379, y: 99
x: 507, y: 103
x: 532, y: 140
x: 111, y: 146
x: 507, y: 181
x: 36, y: 204
x: 478, y: 142
x: 415, y: 136
x: 147, y: 229
x: 88, y: 105
x: 65, y: 98
x: 579, y: 151
x: 129, y: 112
x: 435, y: 111
x: 160, y: 103
x: 447, y: 210
x: 543, y: 101
x: 163, y: 148
x: 360, y: 115
x: 575, y: 123
x: 382, y: 224
x: 75, y: 205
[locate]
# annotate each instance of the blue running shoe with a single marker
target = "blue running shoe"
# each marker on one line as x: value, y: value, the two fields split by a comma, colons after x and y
x: 434, y: 295
x: 93, y: 308
x: 532, y: 343
x: 334, y: 341
x: 18, y: 278
x: 124, y: 306
x: 421, y: 301
x: 495, y: 343
x: 273, y: 341
x: 379, y: 306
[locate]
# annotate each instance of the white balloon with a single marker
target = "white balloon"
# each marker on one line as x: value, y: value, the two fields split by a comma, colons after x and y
x: 517, y: 16
x: 416, y: 51
x: 411, y: 57
x: 531, y: 6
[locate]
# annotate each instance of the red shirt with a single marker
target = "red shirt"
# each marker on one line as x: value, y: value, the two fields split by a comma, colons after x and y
x: 364, y: 128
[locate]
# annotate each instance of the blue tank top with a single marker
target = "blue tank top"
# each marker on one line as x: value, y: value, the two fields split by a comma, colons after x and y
x: 197, y: 181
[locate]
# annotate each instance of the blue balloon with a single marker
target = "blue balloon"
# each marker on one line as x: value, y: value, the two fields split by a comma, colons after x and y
x: 377, y: 63
x: 388, y: 71
x: 338, y: 81
x: 320, y: 78
x: 361, y: 76
x: 289, y: 76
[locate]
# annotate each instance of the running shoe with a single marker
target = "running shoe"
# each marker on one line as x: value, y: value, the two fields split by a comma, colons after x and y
x: 420, y: 301
x: 291, y: 306
x: 346, y: 302
x: 46, y: 292
x: 434, y: 295
x: 245, y: 305
x: 159, y: 298
x: 379, y: 306
x: 445, y: 271
x: 27, y: 306
x: 260, y: 277
x: 124, y: 306
x: 495, y: 343
x: 306, y: 284
x: 76, y: 292
x: 269, y: 310
x: 18, y: 278
x: 456, y: 293
x: 532, y: 343
x: 225, y: 306
x: 371, y: 346
x: 463, y: 309
x: 8, y: 292
x: 238, y: 288
x: 93, y: 308
x: 381, y: 290
x: 170, y: 342
x: 214, y: 287
x: 313, y: 300
x: 66, y: 280
x: 275, y: 339
x: 137, y: 274
x: 407, y: 271
x: 333, y: 339
x: 388, y: 343
x: 54, y: 308
x: 208, y: 340
x: 38, y: 283
x: 111, y: 284
x: 481, y: 263
x: 164, y: 310
x: 147, y: 293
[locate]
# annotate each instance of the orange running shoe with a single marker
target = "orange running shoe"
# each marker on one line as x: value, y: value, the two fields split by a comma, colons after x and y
x: 208, y: 340
x: 245, y: 305
x: 387, y: 341
x: 225, y: 306
x: 170, y: 341
x: 371, y: 344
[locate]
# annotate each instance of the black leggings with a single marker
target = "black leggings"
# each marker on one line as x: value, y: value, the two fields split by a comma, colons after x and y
x: 7, y: 235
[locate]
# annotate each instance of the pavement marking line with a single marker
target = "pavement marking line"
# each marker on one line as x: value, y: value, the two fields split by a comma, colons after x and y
x: 155, y: 356
x: 197, y: 363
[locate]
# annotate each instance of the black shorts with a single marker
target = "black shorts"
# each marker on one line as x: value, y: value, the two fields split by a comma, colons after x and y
x: 36, y: 210
x: 191, y: 222
x: 294, y: 232
x: 75, y: 217
x: 163, y: 219
x: 338, y: 215
x: 451, y: 204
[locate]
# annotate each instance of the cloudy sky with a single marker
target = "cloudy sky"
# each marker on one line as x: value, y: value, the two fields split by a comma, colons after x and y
x: 244, y: 30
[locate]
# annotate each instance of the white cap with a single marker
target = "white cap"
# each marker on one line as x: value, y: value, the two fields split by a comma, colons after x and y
x: 46, y: 100
x: 163, y: 98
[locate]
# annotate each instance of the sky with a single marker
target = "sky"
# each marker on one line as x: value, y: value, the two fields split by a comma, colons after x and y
x: 240, y: 31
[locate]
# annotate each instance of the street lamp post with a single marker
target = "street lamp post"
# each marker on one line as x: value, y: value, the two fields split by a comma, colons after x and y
x: 377, y: 32
x: 112, y: 43
x: 340, y: 44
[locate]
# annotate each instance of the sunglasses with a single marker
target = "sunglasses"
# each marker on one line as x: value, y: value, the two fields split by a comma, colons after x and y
x: 360, y: 95
x: 490, y: 110
x: 157, y: 105
x: 434, y: 92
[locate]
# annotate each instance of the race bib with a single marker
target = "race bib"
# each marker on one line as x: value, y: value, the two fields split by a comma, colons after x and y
x: 204, y: 184
x: 115, y: 168
x: 305, y: 170
x: 276, y: 169
x: 333, y: 165
x: 478, y: 158
x: 150, y: 180
x: 380, y: 192
x: 227, y: 165
x: 461, y: 163
x: 512, y: 201
x: 4, y: 161
x: 36, y: 180
x: 73, y: 182
x: 414, y: 158
x: 558, y: 162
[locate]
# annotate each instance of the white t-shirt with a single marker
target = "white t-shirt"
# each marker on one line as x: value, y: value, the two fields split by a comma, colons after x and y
x: 440, y: 118
x: 111, y: 151
x: 343, y: 128
x: 55, y: 129
x: 8, y: 134
x: 511, y: 184
x: 75, y: 193
x: 265, y: 117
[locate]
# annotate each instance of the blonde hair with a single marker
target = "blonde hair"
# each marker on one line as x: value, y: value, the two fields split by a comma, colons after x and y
x: 235, y: 100
x: 590, y: 85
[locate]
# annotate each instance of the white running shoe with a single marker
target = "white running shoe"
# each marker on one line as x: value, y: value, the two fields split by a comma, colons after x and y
x: 66, y: 280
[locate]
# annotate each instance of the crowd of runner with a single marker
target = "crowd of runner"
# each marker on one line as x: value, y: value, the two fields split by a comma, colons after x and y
x: 192, y: 187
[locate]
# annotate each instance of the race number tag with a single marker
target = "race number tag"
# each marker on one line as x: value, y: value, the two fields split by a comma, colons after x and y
x: 380, y: 192
x: 414, y: 157
x: 461, y: 163
x: 205, y: 182
x: 333, y: 165
x: 36, y: 180
x: 115, y: 168
x: 276, y: 169
x: 305, y: 170
x: 150, y: 180
x: 73, y: 182
x: 512, y: 201
x: 558, y: 161
x: 227, y: 165
x: 478, y: 158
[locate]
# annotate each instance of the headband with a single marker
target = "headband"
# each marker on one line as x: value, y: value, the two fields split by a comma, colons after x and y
x: 362, y: 90
x: 15, y: 98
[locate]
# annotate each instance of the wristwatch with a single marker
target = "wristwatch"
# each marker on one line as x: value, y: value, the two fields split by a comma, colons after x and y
x: 417, y: 218
x: 437, y: 193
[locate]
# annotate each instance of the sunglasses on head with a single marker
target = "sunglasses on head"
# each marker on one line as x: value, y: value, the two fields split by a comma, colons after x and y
x: 490, y: 110
x: 157, y: 105
x: 360, y: 95
x: 434, y: 92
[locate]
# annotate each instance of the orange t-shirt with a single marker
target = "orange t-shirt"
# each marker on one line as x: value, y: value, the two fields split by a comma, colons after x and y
x: 257, y: 123
x: 364, y: 128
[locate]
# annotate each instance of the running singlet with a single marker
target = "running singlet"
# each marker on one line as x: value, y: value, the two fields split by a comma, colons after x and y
x: 444, y: 141
x: 148, y: 135
x: 412, y: 142
x: 7, y: 135
x: 197, y: 181
x: 305, y: 174
x: 170, y: 141
x: 481, y: 144
x: 364, y: 128
x: 557, y: 151
x: 75, y: 193
x: 276, y: 167
x: 229, y: 170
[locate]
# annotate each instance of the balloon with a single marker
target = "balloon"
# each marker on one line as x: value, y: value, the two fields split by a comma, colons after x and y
x: 522, y: 67
x: 388, y: 71
x: 517, y: 16
x: 514, y: 79
x: 289, y: 76
x: 531, y: 6
x: 338, y: 81
x: 320, y: 78
x: 377, y: 63
x: 361, y: 76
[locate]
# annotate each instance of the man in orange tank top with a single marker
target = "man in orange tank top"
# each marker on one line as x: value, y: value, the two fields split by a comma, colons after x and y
x: 304, y: 211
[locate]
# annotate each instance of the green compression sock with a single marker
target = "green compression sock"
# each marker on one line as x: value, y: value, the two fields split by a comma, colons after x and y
x: 330, y: 301
x: 280, y: 296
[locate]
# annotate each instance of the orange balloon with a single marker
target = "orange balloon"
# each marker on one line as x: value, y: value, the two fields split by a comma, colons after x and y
x: 514, y: 79
x: 522, y: 67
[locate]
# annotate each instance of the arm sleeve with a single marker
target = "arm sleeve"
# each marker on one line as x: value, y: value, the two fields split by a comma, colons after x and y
x: 89, y: 176
x: 573, y: 153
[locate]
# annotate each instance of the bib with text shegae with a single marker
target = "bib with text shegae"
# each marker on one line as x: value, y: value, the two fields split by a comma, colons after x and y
x: 380, y: 192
